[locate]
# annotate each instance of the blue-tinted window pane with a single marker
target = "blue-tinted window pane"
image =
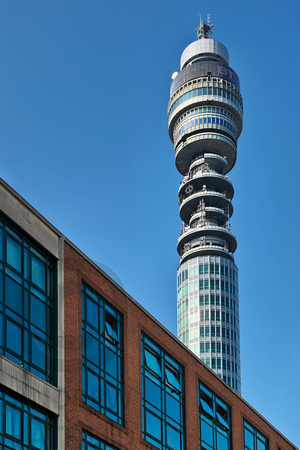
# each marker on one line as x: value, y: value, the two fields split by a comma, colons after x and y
x: 153, y: 393
x: 13, y: 422
x: 38, y: 273
x: 173, y: 438
x: 13, y: 337
x: 173, y: 379
x: 173, y: 408
x: 222, y: 442
x: 111, y: 398
x: 261, y: 445
x: 1, y: 245
x: 152, y: 362
x: 110, y: 332
x: 38, y: 434
x: 38, y: 350
x: 207, y: 407
x: 249, y: 439
x: 14, y: 253
x: 111, y: 362
x: 153, y: 425
x: 92, y: 313
x: 92, y: 349
x: 38, y: 313
x: 207, y: 433
x: 93, y: 388
x: 222, y: 419
x: 13, y: 295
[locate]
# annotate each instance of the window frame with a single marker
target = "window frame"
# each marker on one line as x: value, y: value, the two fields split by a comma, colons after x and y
x: 27, y: 412
x: 165, y: 398
x: 102, y: 355
x: 210, y: 418
x: 89, y: 442
x: 35, y: 311
x: 257, y: 436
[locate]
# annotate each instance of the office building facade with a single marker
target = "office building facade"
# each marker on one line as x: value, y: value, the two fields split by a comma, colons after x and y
x: 205, y: 120
x: 84, y: 366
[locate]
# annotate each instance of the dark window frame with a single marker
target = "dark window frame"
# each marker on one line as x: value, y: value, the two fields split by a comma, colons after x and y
x: 90, y: 442
x: 34, y: 312
x: 257, y: 436
x: 167, y: 390
x: 28, y: 413
x: 211, y: 409
x: 102, y: 356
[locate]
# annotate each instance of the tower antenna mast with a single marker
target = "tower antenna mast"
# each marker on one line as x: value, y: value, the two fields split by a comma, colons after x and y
x: 204, y: 31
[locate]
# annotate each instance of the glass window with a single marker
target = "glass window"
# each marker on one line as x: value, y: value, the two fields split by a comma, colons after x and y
x: 102, y: 356
x: 253, y: 440
x: 214, y: 419
x: 27, y: 304
x: 90, y: 442
x: 163, y: 399
x: 23, y: 426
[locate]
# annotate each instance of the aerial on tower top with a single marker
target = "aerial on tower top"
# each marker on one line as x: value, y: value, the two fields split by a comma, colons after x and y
x: 204, y: 30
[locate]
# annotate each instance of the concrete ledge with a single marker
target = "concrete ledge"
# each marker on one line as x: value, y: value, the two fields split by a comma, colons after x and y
x: 27, y: 218
x: 28, y: 385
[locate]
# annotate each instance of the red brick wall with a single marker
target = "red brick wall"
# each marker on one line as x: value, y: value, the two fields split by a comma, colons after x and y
x: 80, y: 416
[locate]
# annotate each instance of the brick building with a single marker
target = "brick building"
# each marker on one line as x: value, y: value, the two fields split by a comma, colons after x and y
x: 84, y: 366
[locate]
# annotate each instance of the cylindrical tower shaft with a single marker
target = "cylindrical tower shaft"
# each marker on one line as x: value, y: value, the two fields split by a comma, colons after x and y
x: 205, y: 121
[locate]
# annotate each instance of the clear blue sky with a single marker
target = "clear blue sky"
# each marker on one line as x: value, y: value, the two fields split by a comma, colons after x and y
x: 84, y: 88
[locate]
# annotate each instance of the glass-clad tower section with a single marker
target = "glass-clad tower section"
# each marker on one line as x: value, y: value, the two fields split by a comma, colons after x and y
x: 205, y: 121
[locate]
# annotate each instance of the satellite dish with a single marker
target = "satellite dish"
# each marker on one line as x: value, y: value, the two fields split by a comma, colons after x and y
x: 174, y: 75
